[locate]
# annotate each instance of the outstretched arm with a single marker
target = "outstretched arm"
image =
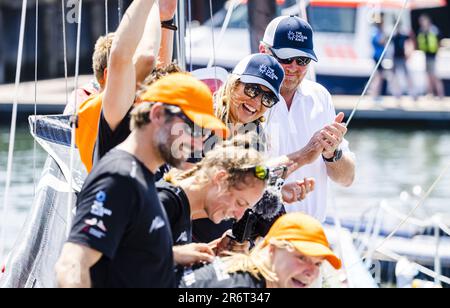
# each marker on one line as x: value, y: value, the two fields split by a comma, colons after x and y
x: 121, y: 82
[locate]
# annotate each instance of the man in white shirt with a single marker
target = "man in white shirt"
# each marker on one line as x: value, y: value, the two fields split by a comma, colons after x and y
x: 305, y: 119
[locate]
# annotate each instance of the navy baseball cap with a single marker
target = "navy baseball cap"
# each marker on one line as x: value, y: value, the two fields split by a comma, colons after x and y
x: 290, y: 37
x: 263, y: 70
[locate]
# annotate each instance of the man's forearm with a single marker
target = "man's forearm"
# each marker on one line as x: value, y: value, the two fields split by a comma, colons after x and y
x: 166, y: 51
x: 73, y: 276
x: 343, y: 171
x: 131, y: 29
x: 147, y: 52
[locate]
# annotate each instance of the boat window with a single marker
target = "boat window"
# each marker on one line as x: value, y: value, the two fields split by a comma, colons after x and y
x: 332, y: 19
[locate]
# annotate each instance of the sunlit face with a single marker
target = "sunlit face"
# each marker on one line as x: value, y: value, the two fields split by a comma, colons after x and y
x: 224, y: 203
x: 295, y: 74
x: 293, y: 269
x: 243, y: 109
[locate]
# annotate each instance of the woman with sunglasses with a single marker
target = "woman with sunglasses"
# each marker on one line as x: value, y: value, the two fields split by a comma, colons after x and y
x: 251, y: 90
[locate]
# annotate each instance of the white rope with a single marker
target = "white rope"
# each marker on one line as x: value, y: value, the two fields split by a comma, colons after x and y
x: 119, y: 9
x: 191, y: 66
x: 444, y: 227
x: 426, y: 271
x: 36, y: 38
x: 226, y: 23
x: 74, y: 121
x: 177, y: 37
x: 420, y: 203
x: 66, y: 71
x: 106, y: 17
x: 211, y: 12
x: 412, y: 221
x: 12, y: 135
x: 372, y: 76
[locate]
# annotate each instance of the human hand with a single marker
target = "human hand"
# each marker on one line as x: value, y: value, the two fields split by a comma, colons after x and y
x: 332, y: 136
x: 188, y: 255
x: 297, y: 191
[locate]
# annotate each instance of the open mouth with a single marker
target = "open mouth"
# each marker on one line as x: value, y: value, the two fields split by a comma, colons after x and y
x: 298, y: 283
x: 249, y: 109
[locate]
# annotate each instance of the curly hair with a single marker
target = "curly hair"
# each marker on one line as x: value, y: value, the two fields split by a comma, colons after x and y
x: 236, y: 156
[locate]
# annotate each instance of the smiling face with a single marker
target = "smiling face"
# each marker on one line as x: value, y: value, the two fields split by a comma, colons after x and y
x: 295, y: 74
x: 293, y: 269
x: 243, y: 109
x: 224, y: 202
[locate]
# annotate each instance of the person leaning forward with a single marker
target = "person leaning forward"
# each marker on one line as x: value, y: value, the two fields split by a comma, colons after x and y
x: 121, y: 235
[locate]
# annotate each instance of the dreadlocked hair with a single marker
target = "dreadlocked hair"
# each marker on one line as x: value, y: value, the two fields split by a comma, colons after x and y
x: 235, y: 156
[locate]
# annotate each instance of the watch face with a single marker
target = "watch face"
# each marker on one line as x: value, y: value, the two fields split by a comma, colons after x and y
x: 338, y: 155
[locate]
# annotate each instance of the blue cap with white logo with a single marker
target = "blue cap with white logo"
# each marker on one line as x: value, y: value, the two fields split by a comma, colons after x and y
x: 290, y: 37
x: 261, y: 69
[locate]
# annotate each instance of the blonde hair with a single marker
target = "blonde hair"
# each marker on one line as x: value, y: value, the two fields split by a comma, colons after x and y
x: 256, y: 262
x: 234, y: 156
x: 101, y: 55
x: 223, y: 98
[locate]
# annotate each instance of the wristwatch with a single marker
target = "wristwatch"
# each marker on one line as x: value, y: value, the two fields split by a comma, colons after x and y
x: 169, y: 24
x: 337, y: 156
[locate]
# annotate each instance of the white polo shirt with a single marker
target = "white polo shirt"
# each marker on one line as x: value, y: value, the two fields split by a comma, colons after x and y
x: 291, y: 130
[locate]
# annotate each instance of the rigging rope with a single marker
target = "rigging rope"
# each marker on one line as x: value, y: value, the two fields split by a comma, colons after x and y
x: 106, y: 17
x: 119, y: 9
x: 36, y: 38
x: 380, y: 61
x: 191, y: 66
x: 74, y: 119
x: 420, y: 203
x: 66, y: 72
x: 232, y: 4
x: 12, y: 135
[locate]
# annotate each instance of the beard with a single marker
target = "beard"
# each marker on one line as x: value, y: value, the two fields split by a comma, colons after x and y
x: 165, y: 144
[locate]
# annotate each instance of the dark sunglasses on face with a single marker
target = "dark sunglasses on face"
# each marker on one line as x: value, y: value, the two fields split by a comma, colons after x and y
x: 254, y: 90
x: 190, y: 128
x: 301, y: 61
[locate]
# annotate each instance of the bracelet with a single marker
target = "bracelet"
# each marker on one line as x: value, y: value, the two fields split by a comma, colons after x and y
x: 169, y: 24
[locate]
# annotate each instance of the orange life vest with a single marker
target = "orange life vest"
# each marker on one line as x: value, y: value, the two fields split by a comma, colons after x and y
x: 87, y: 131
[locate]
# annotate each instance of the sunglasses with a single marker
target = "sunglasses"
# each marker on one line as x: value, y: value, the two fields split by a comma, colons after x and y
x: 190, y: 128
x: 267, y: 174
x: 301, y: 61
x: 254, y: 90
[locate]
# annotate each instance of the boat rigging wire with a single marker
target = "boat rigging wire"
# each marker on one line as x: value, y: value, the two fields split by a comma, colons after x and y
x: 66, y: 70
x: 420, y: 203
x: 36, y: 46
x: 232, y: 5
x: 191, y: 66
x: 12, y: 135
x: 379, y: 63
x: 106, y: 17
x: 74, y: 120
